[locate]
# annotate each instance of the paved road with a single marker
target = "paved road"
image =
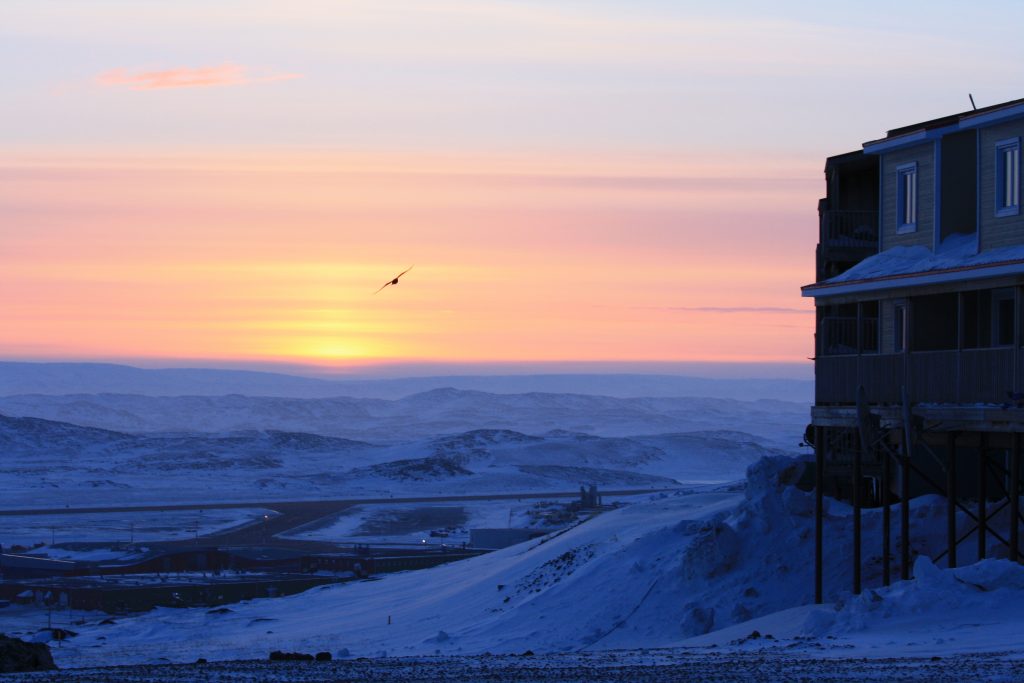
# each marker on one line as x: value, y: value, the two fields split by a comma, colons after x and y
x: 294, y: 514
x: 276, y: 504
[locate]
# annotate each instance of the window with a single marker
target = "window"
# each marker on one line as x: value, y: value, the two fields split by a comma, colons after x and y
x: 989, y: 318
x: 900, y: 320
x: 869, y: 327
x: 933, y: 323
x: 1008, y: 177
x: 1003, y: 322
x: 906, y: 198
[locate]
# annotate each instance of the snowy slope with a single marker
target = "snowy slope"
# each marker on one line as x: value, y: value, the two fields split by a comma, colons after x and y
x: 684, y: 570
x: 560, y: 595
x: 977, y: 608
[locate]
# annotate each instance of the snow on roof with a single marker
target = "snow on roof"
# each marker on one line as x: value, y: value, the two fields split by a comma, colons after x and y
x: 956, y: 252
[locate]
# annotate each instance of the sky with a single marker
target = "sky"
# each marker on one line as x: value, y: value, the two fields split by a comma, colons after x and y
x: 572, y: 182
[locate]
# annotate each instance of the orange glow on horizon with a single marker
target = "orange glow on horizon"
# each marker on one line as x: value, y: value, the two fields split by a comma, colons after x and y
x: 277, y: 260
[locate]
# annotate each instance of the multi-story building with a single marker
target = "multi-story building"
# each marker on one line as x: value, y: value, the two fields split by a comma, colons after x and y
x: 919, y: 365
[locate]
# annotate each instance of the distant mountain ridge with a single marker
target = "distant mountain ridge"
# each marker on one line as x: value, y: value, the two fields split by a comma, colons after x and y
x: 107, y: 378
x: 428, y: 414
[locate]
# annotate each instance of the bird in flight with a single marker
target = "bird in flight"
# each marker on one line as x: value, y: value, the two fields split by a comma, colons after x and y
x: 394, y: 281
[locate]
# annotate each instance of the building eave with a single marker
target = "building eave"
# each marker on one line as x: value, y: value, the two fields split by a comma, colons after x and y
x: 916, y: 137
x: 992, y: 117
x: 931, y: 277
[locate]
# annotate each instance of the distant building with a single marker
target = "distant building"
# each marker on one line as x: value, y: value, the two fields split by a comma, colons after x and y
x: 589, y: 497
x: 14, y: 566
x: 495, y: 539
x: 919, y: 365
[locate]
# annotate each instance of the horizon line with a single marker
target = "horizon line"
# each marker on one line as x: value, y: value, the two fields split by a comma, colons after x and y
x: 710, y: 369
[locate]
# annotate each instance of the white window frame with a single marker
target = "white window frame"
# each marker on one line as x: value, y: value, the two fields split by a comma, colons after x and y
x: 907, y: 204
x: 1007, y: 178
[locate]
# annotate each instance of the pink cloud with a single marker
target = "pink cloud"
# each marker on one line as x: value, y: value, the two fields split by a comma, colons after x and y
x: 185, y: 77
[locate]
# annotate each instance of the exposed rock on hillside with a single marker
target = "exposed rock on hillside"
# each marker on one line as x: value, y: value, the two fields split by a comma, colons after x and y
x: 17, y: 655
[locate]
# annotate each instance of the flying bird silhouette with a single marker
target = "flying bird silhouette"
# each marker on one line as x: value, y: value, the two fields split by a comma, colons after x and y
x: 394, y: 281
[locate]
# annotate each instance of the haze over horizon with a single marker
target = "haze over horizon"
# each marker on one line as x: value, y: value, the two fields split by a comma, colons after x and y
x: 697, y: 369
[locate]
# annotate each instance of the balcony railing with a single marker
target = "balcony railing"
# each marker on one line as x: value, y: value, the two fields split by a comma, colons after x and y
x: 964, y: 377
x: 839, y: 335
x: 857, y: 229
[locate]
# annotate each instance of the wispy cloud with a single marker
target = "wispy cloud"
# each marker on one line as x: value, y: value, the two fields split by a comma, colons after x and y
x: 186, y: 77
x: 741, y: 309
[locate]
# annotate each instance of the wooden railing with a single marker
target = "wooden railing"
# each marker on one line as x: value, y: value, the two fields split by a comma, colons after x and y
x: 839, y: 335
x: 849, y: 229
x: 964, y: 377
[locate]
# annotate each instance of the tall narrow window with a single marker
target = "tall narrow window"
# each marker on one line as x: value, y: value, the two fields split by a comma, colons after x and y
x: 1008, y: 177
x: 906, y: 198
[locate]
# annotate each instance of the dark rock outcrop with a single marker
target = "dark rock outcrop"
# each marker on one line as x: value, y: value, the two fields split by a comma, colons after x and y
x: 278, y: 656
x: 17, y: 655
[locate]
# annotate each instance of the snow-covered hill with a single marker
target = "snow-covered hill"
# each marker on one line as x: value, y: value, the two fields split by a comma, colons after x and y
x: 48, y: 463
x: 694, y: 570
x: 440, y: 411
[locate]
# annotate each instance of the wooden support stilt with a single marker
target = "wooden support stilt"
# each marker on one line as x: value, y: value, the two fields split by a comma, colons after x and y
x: 857, y: 480
x: 905, y: 486
x: 1015, y: 498
x: 982, y: 496
x: 905, y: 516
x: 886, y: 517
x: 951, y: 499
x: 819, y: 485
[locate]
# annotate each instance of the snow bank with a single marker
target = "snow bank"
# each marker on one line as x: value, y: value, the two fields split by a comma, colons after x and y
x: 977, y: 608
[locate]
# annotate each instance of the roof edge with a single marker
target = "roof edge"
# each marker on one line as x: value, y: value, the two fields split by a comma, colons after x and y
x: 819, y: 289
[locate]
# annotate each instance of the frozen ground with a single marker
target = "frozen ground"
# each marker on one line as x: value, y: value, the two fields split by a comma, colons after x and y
x: 712, y: 583
x: 696, y: 573
x: 610, y: 667
x: 81, y: 536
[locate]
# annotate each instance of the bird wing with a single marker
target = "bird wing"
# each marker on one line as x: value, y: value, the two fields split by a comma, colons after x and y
x: 392, y: 280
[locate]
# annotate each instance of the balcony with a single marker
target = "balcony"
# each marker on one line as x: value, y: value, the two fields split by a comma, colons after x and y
x: 840, y: 335
x: 855, y: 230
x: 969, y: 376
x: 846, y: 237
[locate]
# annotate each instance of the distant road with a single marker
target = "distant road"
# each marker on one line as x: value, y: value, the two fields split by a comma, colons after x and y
x: 294, y: 514
x: 277, y: 505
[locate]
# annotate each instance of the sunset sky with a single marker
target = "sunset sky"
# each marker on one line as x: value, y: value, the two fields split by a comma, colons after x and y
x: 228, y: 182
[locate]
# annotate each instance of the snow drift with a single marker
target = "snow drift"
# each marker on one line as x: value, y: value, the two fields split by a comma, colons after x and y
x: 691, y: 570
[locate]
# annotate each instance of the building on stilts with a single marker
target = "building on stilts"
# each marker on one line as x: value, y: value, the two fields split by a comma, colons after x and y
x: 919, y: 353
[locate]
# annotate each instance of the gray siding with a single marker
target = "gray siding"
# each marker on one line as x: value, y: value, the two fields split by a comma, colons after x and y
x: 1009, y: 230
x: 924, y: 155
